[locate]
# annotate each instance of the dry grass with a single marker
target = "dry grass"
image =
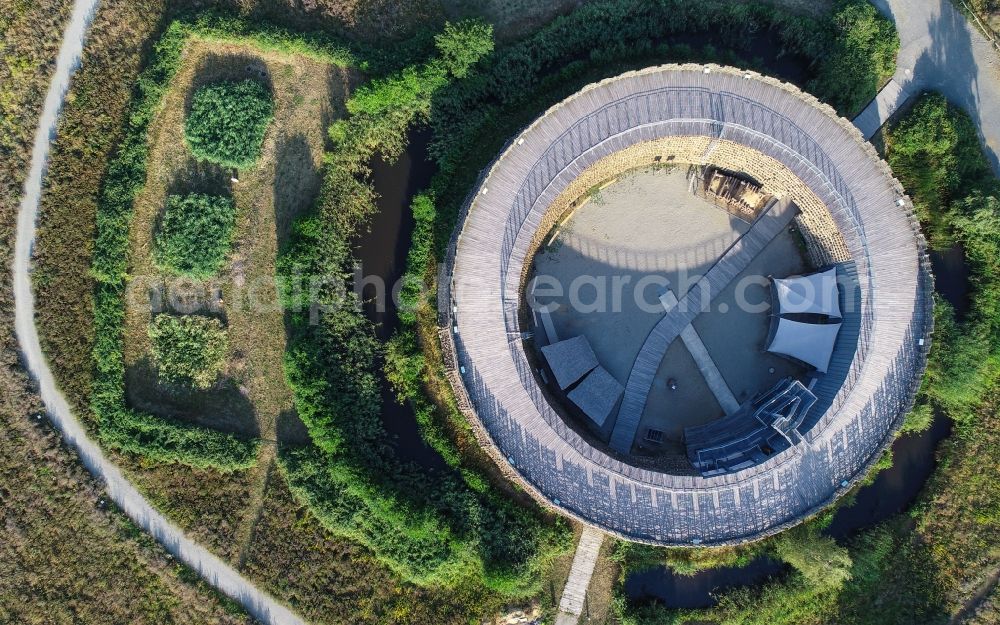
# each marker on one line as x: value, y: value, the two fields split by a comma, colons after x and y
x: 602, y: 587
x: 960, y: 523
x: 88, y: 131
x: 253, y: 399
x: 268, y: 196
x: 63, y: 557
x: 987, y: 612
x: 330, y: 581
x: 66, y: 559
x: 211, y: 507
x: 600, y: 592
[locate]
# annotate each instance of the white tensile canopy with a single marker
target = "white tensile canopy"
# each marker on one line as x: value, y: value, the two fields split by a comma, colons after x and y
x: 812, y: 343
x: 816, y: 293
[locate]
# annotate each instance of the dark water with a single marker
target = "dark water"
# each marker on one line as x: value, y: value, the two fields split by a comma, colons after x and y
x: 894, y: 489
x: 382, y: 251
x: 382, y: 254
x: 892, y: 492
x: 698, y: 590
x: 951, y: 278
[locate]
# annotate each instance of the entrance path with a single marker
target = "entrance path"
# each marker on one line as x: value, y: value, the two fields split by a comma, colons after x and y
x: 941, y: 50
x: 574, y: 594
x: 691, y: 304
x: 223, y: 577
x: 706, y: 364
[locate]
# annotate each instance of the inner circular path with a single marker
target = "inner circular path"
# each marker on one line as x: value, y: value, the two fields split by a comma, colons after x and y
x: 822, y: 180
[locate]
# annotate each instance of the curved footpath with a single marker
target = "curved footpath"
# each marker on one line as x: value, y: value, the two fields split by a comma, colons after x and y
x: 941, y: 50
x: 216, y: 572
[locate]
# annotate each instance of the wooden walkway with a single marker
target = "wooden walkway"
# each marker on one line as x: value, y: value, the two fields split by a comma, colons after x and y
x: 693, y: 303
x: 880, y: 109
x: 709, y: 370
x: 571, y: 606
x: 788, y: 136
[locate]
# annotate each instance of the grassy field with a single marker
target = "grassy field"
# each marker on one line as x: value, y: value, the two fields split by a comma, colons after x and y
x: 959, y: 520
x: 334, y: 581
x: 234, y: 513
x: 68, y: 557
x: 252, y: 400
x: 65, y: 557
x: 268, y: 197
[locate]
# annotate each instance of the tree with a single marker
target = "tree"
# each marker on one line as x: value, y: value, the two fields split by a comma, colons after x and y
x: 462, y: 45
x: 935, y: 151
x: 195, y: 235
x: 228, y: 121
x: 820, y: 560
x: 189, y: 350
x: 863, y: 56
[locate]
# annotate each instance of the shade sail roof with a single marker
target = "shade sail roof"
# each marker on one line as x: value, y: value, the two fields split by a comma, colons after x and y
x: 811, y: 343
x: 597, y: 395
x: 816, y: 293
x: 570, y: 360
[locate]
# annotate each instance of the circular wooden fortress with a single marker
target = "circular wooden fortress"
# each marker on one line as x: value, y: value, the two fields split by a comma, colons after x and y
x: 769, y: 463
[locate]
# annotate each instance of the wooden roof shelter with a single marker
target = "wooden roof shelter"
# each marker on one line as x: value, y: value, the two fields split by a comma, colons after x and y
x: 570, y: 360
x: 703, y: 116
x: 597, y: 395
x: 740, y: 197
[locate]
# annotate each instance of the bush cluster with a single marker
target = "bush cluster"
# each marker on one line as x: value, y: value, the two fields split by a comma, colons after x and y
x: 430, y: 528
x: 188, y: 350
x: 227, y: 122
x: 121, y: 427
x: 847, y: 58
x: 935, y: 152
x: 195, y: 235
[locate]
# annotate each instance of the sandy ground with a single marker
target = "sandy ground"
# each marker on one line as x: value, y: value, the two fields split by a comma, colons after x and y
x: 670, y: 411
x: 645, y: 225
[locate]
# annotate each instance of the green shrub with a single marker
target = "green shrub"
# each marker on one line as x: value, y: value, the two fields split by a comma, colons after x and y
x: 462, y: 46
x: 227, y: 122
x: 934, y: 151
x: 819, y: 559
x: 862, y: 57
x: 430, y: 528
x: 412, y: 541
x: 189, y: 350
x: 195, y: 235
x: 637, y: 557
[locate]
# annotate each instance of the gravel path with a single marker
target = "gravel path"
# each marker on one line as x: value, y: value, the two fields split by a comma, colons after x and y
x: 259, y: 604
x: 941, y: 50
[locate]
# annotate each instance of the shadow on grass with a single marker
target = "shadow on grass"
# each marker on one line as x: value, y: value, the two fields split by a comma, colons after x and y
x: 223, y: 407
